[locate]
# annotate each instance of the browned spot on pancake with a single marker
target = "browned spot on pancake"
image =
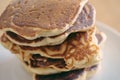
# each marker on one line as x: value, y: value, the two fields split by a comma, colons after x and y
x: 39, y: 61
x: 81, y: 49
x: 15, y: 49
x: 80, y: 54
x: 26, y: 63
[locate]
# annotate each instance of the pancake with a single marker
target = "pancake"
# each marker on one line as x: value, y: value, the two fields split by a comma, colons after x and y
x: 85, y: 19
x: 74, y: 42
x: 101, y: 37
x: 38, y: 70
x: 81, y: 74
x: 25, y: 57
x: 38, y: 18
x: 43, y: 71
x: 80, y: 39
x: 78, y: 51
x: 45, y: 66
x: 49, y: 71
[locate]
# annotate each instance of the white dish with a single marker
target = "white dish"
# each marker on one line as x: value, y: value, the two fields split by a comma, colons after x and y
x: 11, y: 68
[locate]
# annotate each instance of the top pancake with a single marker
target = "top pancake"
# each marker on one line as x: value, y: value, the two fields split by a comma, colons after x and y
x: 33, y: 18
x: 86, y: 19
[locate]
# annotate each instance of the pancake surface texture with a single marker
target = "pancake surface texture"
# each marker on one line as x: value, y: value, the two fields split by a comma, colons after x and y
x: 84, y: 21
x: 36, y: 18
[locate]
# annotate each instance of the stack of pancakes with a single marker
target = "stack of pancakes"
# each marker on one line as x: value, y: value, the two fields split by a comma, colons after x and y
x: 54, y: 39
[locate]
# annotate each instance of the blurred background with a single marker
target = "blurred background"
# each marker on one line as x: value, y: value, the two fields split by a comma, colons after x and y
x: 108, y: 12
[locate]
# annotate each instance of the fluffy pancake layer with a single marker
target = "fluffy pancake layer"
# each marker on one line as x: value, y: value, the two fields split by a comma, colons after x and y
x: 33, y: 19
x: 85, y: 19
x: 81, y: 74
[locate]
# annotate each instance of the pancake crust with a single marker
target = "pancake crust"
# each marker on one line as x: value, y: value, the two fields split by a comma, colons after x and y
x: 32, y: 19
x: 85, y: 19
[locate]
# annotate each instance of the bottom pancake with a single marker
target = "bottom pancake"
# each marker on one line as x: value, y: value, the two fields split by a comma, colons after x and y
x: 81, y: 74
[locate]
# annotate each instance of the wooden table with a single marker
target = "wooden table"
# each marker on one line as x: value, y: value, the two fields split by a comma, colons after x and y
x: 108, y: 11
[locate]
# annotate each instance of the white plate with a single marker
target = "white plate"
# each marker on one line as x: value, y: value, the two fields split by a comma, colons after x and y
x: 11, y: 68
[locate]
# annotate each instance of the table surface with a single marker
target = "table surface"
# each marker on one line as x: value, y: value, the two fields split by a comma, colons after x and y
x: 108, y: 11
